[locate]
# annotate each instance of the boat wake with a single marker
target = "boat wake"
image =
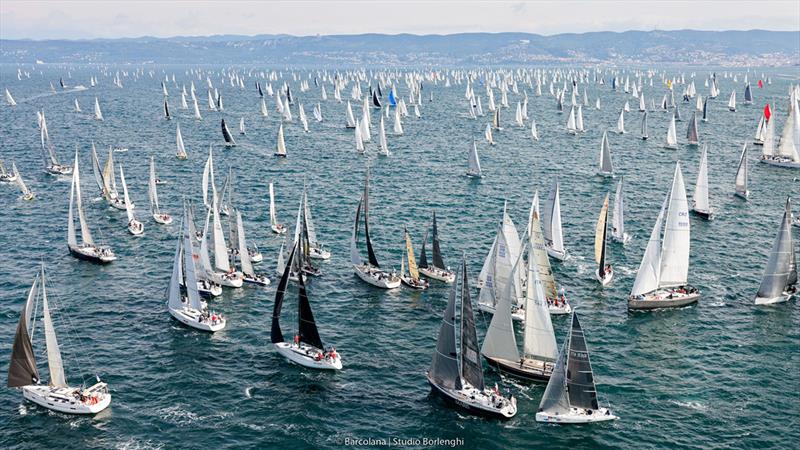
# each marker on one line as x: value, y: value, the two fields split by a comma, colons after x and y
x: 697, y: 406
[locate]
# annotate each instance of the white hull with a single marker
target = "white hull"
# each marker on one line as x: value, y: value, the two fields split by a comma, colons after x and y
x: 606, y: 278
x: 517, y: 314
x: 478, y: 402
x: 306, y: 356
x: 278, y: 228
x: 377, y: 277
x: 780, y: 163
x: 319, y: 253
x: 135, y: 227
x: 438, y: 274
x: 663, y: 298
x: 785, y: 297
x: 624, y: 239
x: 195, y: 319
x: 418, y: 284
x: 92, y: 253
x: 560, y: 309
x: 260, y: 280
x: 67, y: 400
x: 163, y: 219
x: 577, y: 416
x: 232, y: 280
x: 559, y: 255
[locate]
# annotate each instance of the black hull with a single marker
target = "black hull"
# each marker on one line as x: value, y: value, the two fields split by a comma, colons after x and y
x: 83, y: 257
x: 444, y: 395
x: 704, y: 215
x: 515, y: 371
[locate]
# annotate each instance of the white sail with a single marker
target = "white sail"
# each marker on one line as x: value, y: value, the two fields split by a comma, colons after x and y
x: 281, y: 143
x: 606, y: 165
x: 77, y: 106
x: 350, y: 119
x: 474, y: 162
x: 244, y: 255
x: 788, y: 147
x: 534, y: 131
x: 621, y: 122
x: 54, y: 362
x: 553, y: 233
x: 128, y: 204
x: 650, y: 268
x: 358, y: 139
x: 382, y: 139
x: 488, y: 134
x: 10, y: 99
x: 273, y: 216
x: 732, y: 101
x: 86, y: 235
x: 768, y: 149
x: 220, y: 249
x: 241, y: 126
x: 676, y: 243
x: 98, y: 115
x: 700, y: 198
x: 672, y: 134
x: 741, y: 173
x: 539, y: 339
x: 181, y: 149
x: 617, y: 215
x: 151, y: 188
x: 398, y: 125
x: 571, y: 121
x: 579, y: 119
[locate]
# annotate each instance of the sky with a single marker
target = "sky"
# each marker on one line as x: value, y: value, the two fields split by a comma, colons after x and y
x: 65, y: 19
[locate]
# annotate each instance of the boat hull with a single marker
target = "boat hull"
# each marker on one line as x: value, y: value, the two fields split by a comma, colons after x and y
x: 299, y: 355
x: 163, y: 219
x: 707, y: 215
x: 559, y: 255
x: 377, y: 277
x: 90, y: 254
x: 453, y: 398
x: 780, y: 163
x: 438, y: 274
x: 64, y: 400
x: 517, y: 314
x: 604, y: 279
x: 192, y: 318
x: 530, y: 370
x: 575, y: 417
x: 418, y: 284
x: 661, y: 300
x: 785, y: 297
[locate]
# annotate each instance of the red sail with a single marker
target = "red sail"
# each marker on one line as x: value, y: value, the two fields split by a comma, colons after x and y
x: 767, y: 112
x: 760, y: 84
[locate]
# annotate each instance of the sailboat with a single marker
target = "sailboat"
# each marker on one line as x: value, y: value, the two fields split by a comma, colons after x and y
x: 51, y: 163
x: 77, y: 106
x: 553, y: 234
x: 457, y: 376
x: 166, y: 110
x: 277, y: 227
x: 222, y: 272
x: 134, y: 226
x: 571, y: 127
x: 741, y: 175
x: 732, y: 101
x: 350, y: 120
x: 691, y: 130
x: 496, y: 120
x: 474, y: 170
x: 226, y: 134
x: 606, y: 167
x: 5, y: 176
x: 242, y: 130
x: 306, y: 349
x: 398, y: 124
x: 152, y: 192
x: 382, y: 139
x: 437, y: 270
x: 787, y: 154
x: 537, y: 255
x: 23, y: 372
x: 672, y: 135
x: 644, y: 126
x: 181, y: 153
x: 534, y: 131
x: 779, y: 282
x: 701, y: 205
x: 571, y: 394
x: 499, y: 276
x: 183, y: 302
x: 312, y: 246
x: 280, y: 149
x: 10, y: 99
x: 621, y: 122
x: 411, y: 279
x: 98, y: 115
x: 87, y: 249
x: 27, y: 194
x: 488, y: 134
x: 661, y: 281
x: 617, y: 217
x: 539, y: 341
x: 369, y: 270
x: 604, y: 272
x: 243, y: 253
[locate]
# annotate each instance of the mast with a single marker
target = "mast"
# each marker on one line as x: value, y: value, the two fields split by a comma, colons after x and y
x: 371, y: 253
x: 471, y: 368
x: 444, y: 370
x: 54, y: 362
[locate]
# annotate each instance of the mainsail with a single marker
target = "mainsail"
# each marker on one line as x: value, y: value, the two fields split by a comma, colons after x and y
x: 780, y: 272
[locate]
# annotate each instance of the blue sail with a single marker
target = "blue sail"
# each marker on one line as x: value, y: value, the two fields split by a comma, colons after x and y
x: 392, y: 101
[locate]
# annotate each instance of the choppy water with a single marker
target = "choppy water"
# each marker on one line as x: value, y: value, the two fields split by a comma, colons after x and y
x: 722, y: 374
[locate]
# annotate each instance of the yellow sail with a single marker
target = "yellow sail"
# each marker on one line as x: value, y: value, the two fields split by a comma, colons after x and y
x: 599, y: 233
x: 412, y: 263
x: 669, y: 84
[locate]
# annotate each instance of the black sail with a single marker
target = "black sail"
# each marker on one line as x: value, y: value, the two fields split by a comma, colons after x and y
x: 423, y: 255
x: 444, y: 366
x: 580, y: 379
x: 307, y: 328
x: 226, y: 133
x: 260, y: 92
x: 471, y: 368
x: 22, y: 369
x: 375, y: 101
x: 437, y: 253
x: 373, y: 260
x: 275, y: 334
x: 166, y: 109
